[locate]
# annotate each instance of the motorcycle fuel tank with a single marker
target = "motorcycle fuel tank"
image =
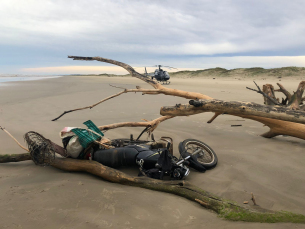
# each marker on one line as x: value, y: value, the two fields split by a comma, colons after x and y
x: 149, y: 158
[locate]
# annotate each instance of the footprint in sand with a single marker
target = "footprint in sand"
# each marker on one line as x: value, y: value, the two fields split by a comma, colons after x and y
x: 190, y: 219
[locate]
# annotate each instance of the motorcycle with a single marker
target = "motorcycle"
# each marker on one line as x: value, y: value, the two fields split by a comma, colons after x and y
x: 155, y: 158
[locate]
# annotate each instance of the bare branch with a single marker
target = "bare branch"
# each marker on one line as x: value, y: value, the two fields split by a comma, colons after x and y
x: 284, y: 91
x: 214, y: 117
x: 110, y: 97
x: 296, y: 98
x: 151, y: 124
x: 274, y: 101
x: 159, y: 89
x: 21, y: 146
x: 127, y: 67
x: 268, y: 89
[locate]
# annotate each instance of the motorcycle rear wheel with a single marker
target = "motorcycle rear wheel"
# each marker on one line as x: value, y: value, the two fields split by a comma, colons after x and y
x: 207, y: 157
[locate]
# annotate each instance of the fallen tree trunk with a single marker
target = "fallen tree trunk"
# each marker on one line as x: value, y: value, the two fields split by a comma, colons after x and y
x: 240, y: 109
x: 224, y: 208
x: 235, y: 108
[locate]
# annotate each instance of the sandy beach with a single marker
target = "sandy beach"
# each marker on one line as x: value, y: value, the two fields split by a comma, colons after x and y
x: 45, y: 197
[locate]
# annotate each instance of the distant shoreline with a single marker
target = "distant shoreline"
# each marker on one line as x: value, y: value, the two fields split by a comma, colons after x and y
x: 222, y: 72
x: 16, y: 78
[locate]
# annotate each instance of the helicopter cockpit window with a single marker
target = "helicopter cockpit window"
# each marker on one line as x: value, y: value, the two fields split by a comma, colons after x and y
x: 166, y: 73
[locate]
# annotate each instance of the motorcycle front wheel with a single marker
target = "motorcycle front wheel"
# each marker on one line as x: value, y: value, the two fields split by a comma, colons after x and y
x: 206, y: 156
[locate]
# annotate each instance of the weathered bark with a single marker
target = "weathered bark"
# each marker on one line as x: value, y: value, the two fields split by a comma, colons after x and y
x: 15, y: 157
x: 235, y: 108
x: 284, y: 91
x: 277, y: 127
x: 271, y: 100
x: 296, y: 98
x: 268, y: 89
x: 151, y: 124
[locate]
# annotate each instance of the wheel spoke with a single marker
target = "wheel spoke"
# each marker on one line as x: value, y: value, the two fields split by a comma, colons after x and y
x: 203, y: 157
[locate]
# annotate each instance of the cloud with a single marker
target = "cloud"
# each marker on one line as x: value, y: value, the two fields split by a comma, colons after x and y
x: 154, y: 30
x: 186, y: 64
x: 243, y: 62
x: 76, y: 70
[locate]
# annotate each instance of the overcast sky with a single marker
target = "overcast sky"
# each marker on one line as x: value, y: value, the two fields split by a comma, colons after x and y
x: 37, y: 35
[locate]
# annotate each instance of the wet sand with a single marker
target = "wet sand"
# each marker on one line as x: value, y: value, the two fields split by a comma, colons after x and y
x: 44, y: 197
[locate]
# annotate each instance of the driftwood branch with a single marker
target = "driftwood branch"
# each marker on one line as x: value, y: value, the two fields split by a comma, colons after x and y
x: 235, y: 108
x: 152, y: 125
x: 15, y: 157
x: 8, y: 133
x: 214, y: 117
x: 296, y: 98
x: 279, y: 120
x: 224, y: 208
x: 253, y: 198
x: 273, y: 100
x: 284, y: 91
x: 127, y: 67
x: 110, y: 97
x: 277, y: 127
x: 159, y: 88
x: 268, y: 89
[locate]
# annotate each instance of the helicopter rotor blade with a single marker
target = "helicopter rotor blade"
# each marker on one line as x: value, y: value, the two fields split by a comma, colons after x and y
x: 170, y: 67
x: 165, y: 66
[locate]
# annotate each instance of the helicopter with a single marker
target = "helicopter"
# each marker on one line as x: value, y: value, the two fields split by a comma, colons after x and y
x: 159, y: 74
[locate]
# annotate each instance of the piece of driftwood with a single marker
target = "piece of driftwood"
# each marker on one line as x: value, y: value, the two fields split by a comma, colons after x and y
x: 235, y: 108
x: 269, y: 99
x: 277, y: 127
x: 159, y: 89
x: 8, y: 133
x: 224, y: 208
x: 279, y: 120
x: 5, y: 158
x: 268, y: 89
x: 152, y: 125
x: 292, y: 101
x: 253, y: 198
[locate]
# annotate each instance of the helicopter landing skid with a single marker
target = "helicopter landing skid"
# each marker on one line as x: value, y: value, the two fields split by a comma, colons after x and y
x: 164, y: 82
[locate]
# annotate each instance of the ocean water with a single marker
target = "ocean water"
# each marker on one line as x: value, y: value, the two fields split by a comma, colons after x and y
x: 13, y: 78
